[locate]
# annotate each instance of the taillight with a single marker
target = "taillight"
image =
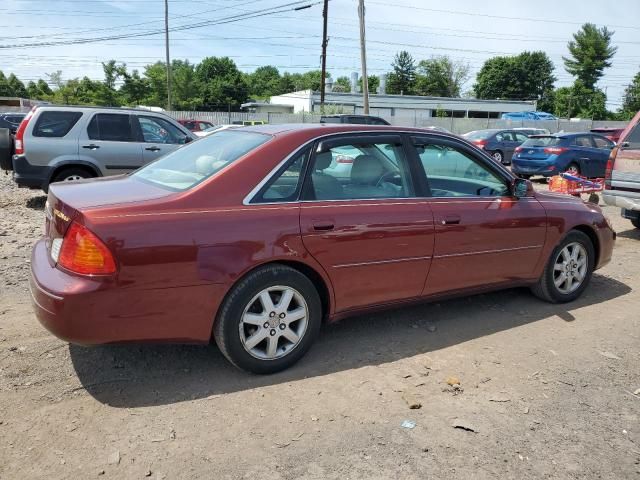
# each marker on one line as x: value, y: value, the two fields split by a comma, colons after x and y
x: 19, y: 139
x: 84, y: 253
x: 344, y: 159
x: 608, y: 171
x: 518, y: 149
x: 555, y: 150
x: 480, y: 143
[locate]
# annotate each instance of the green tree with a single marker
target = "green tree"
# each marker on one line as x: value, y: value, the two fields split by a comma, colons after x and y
x: 5, y: 89
x: 528, y: 76
x: 580, y: 101
x: 134, y: 89
x: 264, y: 82
x: 631, y: 98
x: 185, y: 86
x: 590, y: 52
x: 16, y: 87
x: 373, y: 84
x: 221, y: 82
x: 342, y: 84
x: 403, y: 78
x: 441, y: 77
x: 44, y: 88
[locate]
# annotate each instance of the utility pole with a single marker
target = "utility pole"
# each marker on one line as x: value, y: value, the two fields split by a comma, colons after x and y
x: 363, y: 57
x: 166, y: 44
x: 325, y: 13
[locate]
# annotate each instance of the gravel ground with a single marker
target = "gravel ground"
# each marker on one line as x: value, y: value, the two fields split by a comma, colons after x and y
x: 545, y: 391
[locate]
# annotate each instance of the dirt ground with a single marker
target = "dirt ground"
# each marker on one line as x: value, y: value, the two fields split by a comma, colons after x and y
x: 545, y: 391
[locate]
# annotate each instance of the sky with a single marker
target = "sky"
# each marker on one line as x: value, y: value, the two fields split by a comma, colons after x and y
x: 470, y: 31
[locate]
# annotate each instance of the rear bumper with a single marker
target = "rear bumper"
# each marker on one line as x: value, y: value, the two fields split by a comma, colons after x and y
x: 546, y: 170
x: 93, y: 311
x: 624, y: 200
x: 31, y: 176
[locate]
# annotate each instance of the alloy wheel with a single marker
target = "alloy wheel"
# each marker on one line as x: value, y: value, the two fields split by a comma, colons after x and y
x: 570, y: 268
x: 274, y: 322
x: 71, y: 178
x: 572, y: 170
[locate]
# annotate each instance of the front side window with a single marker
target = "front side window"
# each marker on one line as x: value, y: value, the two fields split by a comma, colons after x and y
x: 582, y: 141
x: 110, y: 127
x: 55, y: 123
x: 360, y: 169
x: 187, y: 166
x: 452, y: 172
x: 159, y: 130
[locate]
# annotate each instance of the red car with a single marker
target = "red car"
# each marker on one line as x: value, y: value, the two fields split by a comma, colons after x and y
x: 612, y: 134
x: 243, y: 237
x: 195, y: 125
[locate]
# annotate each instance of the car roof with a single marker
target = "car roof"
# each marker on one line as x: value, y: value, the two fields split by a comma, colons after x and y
x: 319, y: 129
x: 92, y: 107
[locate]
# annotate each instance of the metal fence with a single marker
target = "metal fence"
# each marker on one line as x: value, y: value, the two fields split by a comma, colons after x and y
x: 455, y: 125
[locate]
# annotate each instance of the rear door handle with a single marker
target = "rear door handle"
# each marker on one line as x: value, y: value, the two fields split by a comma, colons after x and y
x: 323, y: 226
x: 91, y: 147
x: 153, y: 149
x: 451, y: 220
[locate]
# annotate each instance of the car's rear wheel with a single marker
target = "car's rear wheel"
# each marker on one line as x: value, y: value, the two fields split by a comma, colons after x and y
x: 71, y: 174
x: 568, y: 270
x: 269, y: 320
x: 498, y: 156
x: 6, y: 148
x: 573, y: 169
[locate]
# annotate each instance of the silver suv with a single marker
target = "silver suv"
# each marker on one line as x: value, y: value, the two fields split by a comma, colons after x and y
x: 56, y: 143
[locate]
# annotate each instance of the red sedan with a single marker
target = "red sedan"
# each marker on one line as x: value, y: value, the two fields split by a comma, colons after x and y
x: 248, y: 237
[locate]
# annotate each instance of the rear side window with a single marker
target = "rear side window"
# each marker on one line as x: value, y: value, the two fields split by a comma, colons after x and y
x: 111, y: 127
x: 55, y: 124
x: 542, y: 142
x: 602, y: 142
x: 633, y: 139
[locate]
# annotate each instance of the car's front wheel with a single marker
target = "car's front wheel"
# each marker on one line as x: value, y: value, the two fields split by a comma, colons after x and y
x: 269, y: 320
x: 568, y: 270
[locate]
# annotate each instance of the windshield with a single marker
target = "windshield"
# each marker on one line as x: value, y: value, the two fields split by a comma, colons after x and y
x: 190, y: 165
x: 542, y: 142
x: 479, y: 134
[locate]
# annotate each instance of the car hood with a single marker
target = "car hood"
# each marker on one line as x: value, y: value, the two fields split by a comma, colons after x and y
x: 113, y: 190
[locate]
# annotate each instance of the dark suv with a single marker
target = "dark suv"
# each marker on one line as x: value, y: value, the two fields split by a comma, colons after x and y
x: 355, y: 119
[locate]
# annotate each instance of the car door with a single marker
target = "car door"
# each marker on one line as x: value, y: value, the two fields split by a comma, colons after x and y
x: 484, y: 235
x: 159, y: 137
x: 370, y: 232
x: 603, y: 147
x: 110, y: 142
x: 585, y: 155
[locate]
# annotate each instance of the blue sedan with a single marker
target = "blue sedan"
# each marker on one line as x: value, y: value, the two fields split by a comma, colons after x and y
x: 583, y: 154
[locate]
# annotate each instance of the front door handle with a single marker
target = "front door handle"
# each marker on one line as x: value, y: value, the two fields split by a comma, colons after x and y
x: 323, y: 226
x: 451, y: 220
x: 153, y: 149
x: 91, y: 146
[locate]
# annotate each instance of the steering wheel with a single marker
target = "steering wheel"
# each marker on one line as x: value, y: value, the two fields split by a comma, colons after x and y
x: 386, y: 175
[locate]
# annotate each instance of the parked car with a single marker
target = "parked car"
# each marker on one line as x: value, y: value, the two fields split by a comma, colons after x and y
x: 531, y: 131
x: 11, y: 120
x: 622, y: 178
x: 195, y: 125
x: 500, y: 144
x: 612, y: 134
x: 243, y: 237
x: 247, y: 123
x: 528, y: 116
x: 354, y: 119
x: 215, y: 128
x: 583, y: 154
x: 62, y: 143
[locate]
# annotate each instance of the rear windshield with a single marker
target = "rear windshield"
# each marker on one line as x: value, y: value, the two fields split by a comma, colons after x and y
x: 55, y: 124
x: 542, y: 142
x: 190, y: 165
x: 478, y: 135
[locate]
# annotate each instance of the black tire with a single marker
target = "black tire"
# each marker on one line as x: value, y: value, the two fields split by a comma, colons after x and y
x: 71, y: 172
x: 573, y: 164
x: 498, y: 156
x: 6, y: 149
x: 546, y: 289
x: 635, y: 222
x: 227, y: 327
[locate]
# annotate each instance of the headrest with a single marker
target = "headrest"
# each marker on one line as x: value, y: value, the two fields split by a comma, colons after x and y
x: 366, y: 170
x: 323, y: 160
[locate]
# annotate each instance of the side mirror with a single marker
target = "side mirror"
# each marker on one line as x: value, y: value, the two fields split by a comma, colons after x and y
x: 522, y: 188
x: 187, y: 139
